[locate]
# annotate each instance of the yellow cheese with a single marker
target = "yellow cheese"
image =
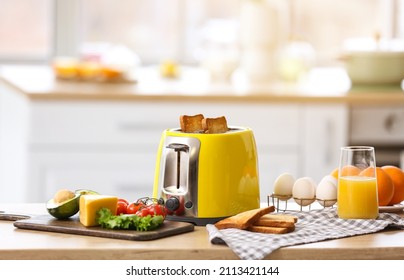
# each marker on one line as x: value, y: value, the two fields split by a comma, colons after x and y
x: 91, y: 203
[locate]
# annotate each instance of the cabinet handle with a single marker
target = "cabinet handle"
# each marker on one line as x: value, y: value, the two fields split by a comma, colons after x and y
x: 391, y: 122
x: 329, y: 132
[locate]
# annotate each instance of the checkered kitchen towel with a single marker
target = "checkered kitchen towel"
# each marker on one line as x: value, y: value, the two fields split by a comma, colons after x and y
x: 312, y: 226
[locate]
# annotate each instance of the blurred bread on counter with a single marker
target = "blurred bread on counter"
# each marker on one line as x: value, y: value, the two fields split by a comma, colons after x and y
x: 76, y: 70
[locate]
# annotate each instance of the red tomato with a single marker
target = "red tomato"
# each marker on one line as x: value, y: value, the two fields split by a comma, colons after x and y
x: 134, y: 207
x: 121, y: 207
x: 144, y: 212
x: 152, y: 210
x: 159, y: 209
x: 123, y: 200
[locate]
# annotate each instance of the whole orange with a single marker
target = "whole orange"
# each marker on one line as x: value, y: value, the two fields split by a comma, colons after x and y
x: 335, y: 173
x: 397, y: 176
x: 348, y: 170
x: 385, y: 186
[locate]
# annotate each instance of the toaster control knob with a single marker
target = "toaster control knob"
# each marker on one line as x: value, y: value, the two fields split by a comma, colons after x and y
x: 172, y: 204
x: 188, y: 204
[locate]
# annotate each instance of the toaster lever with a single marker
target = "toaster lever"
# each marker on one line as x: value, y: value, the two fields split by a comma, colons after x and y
x: 178, y: 147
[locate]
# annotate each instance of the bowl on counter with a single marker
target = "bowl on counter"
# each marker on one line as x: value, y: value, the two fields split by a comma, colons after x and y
x: 374, y: 62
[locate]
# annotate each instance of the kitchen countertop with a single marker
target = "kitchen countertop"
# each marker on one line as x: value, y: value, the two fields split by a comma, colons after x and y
x: 321, y: 85
x: 20, y: 244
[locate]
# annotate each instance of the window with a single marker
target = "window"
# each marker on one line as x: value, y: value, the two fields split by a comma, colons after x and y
x: 154, y: 29
x: 26, y: 32
x: 180, y: 29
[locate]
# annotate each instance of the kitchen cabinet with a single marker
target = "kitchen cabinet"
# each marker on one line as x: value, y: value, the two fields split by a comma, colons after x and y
x: 108, y: 147
x: 377, y: 124
x: 127, y: 173
x: 106, y: 136
x: 13, y: 145
x: 325, y: 131
x: 112, y: 146
x: 381, y: 127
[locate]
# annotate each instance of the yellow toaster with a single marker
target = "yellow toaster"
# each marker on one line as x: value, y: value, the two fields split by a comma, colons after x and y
x: 202, y: 178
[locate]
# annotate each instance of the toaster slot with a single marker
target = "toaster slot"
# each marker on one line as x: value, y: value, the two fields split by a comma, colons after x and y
x: 177, y: 164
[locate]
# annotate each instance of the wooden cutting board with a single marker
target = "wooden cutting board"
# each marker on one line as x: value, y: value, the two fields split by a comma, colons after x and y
x: 73, y: 226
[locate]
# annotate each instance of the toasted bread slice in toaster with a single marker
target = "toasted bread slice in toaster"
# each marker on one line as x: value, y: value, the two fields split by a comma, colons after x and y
x: 245, y: 219
x: 215, y: 125
x: 191, y: 124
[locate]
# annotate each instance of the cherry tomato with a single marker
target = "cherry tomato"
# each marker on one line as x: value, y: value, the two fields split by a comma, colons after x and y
x: 121, y: 207
x: 134, y: 207
x: 143, y: 212
x: 123, y: 200
x: 158, y: 209
x: 152, y: 210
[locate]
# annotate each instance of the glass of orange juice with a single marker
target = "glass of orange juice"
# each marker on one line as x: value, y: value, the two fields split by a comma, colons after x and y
x: 357, y: 190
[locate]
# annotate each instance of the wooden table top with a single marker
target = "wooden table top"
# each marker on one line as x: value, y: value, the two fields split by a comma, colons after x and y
x: 29, y: 244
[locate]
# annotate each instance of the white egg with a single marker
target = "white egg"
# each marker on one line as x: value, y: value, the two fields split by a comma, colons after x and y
x: 283, y: 186
x: 327, y: 190
x: 304, y: 191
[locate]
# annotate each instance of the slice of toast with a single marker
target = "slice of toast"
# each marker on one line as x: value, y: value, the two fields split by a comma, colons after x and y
x: 281, y: 220
x: 274, y: 223
x: 215, y: 125
x: 245, y: 219
x: 274, y: 230
x: 191, y: 124
x: 280, y: 217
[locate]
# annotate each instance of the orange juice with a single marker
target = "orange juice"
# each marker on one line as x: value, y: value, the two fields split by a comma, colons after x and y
x: 357, y: 197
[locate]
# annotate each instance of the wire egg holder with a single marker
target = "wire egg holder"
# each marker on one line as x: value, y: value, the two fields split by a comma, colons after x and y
x: 302, y: 202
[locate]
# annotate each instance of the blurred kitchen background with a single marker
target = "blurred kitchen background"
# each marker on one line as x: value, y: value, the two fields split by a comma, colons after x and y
x: 192, y: 31
x: 242, y: 43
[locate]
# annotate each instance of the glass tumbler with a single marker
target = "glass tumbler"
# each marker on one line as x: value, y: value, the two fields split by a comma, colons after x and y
x: 357, y: 183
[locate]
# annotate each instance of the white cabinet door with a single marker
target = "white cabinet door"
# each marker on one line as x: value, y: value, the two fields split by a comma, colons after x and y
x: 324, y: 132
x: 128, y: 175
x: 99, y: 123
x: 377, y: 125
x: 272, y: 163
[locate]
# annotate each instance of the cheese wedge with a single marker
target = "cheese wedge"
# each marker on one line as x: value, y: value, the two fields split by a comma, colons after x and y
x: 90, y: 204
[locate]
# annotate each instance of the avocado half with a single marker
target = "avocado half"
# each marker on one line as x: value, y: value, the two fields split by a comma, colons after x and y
x: 67, y: 208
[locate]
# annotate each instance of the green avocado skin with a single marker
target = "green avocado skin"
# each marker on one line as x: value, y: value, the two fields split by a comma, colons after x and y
x: 68, y: 208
